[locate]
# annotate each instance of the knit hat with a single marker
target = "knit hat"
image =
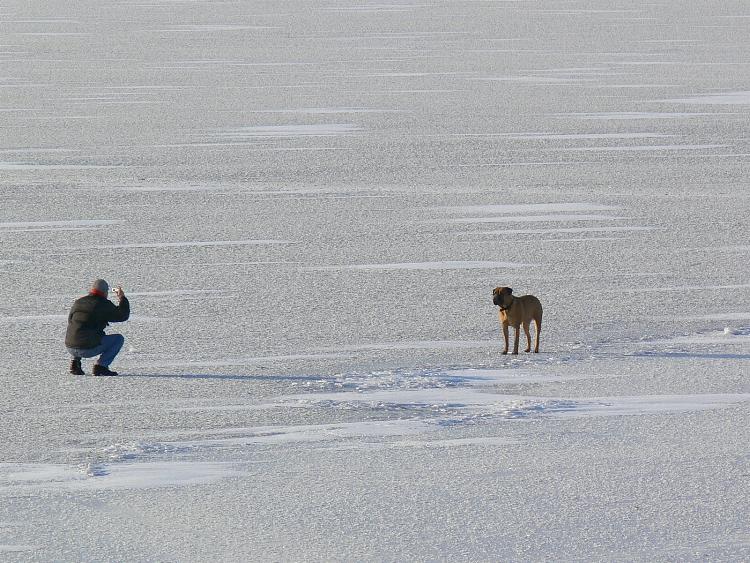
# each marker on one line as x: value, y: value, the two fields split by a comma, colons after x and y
x: 100, y: 286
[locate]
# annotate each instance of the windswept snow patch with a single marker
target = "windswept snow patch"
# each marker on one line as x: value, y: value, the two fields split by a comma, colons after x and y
x: 656, y: 404
x: 552, y: 217
x: 569, y: 230
x: 446, y: 265
x: 631, y: 115
x: 76, y: 223
x: 725, y: 98
x: 727, y: 336
x: 582, y: 136
x: 199, y: 243
x: 10, y: 548
x: 177, y: 293
x: 33, y: 318
x: 461, y: 396
x: 37, y: 166
x: 24, y: 478
x: 309, y: 433
x: 334, y: 352
x: 528, y: 208
x: 287, y: 131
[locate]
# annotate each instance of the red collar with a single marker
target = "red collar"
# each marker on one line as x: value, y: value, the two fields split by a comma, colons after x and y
x: 97, y: 292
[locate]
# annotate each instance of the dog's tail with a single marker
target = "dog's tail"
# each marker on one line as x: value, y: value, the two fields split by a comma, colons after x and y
x: 538, y: 323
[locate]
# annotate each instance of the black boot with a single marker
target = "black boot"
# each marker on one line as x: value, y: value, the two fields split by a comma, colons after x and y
x: 75, y: 367
x: 103, y: 370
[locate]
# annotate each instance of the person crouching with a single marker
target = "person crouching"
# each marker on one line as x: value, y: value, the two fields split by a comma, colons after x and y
x: 85, y: 336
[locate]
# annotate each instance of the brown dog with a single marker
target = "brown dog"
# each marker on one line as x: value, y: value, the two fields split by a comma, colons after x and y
x: 517, y: 311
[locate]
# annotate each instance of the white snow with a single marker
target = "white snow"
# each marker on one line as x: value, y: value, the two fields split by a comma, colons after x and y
x: 34, y: 478
x: 286, y: 131
x: 17, y: 548
x: 445, y: 265
x: 31, y: 318
x: 471, y: 398
x: 192, y: 243
x: 585, y: 136
x: 632, y: 115
x: 726, y: 98
x: 41, y: 166
x: 568, y: 230
x: 529, y: 208
x: 56, y: 224
x: 308, y: 205
x: 328, y: 111
x: 551, y: 217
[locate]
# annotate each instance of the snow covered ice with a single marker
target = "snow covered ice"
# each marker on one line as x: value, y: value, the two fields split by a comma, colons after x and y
x: 309, y: 204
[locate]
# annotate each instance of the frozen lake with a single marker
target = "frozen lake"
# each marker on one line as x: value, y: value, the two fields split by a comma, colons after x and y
x: 308, y: 205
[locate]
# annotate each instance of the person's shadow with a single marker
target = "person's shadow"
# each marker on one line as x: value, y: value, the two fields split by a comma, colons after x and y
x: 228, y: 377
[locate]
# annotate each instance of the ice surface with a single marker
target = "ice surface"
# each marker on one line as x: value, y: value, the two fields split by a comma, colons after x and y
x: 728, y: 98
x: 286, y: 131
x: 446, y: 265
x: 124, y: 476
x: 551, y: 217
x: 309, y: 204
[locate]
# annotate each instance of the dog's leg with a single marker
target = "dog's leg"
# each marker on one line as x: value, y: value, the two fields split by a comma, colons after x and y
x: 518, y: 337
x: 505, y: 337
x: 528, y: 336
x: 538, y: 322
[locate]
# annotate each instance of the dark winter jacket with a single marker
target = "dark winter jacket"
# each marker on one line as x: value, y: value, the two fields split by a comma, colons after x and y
x: 88, y: 317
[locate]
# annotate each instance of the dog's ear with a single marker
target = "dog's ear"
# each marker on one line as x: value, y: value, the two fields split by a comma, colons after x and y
x: 509, y: 290
x: 496, y: 291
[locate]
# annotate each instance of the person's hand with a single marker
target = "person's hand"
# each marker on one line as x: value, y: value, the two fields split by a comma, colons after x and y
x: 119, y: 293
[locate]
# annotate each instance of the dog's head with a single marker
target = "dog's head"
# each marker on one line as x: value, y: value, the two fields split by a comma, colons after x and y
x: 500, y: 295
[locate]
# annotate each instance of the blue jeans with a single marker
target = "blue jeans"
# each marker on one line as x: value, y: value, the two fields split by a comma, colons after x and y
x: 107, y: 350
